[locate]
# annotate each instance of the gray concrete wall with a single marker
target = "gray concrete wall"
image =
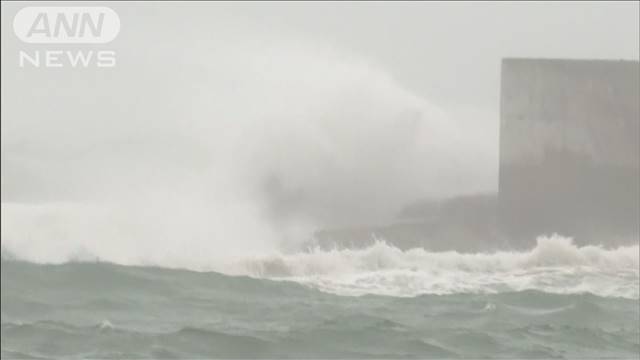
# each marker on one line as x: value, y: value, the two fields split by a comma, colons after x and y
x: 570, y: 148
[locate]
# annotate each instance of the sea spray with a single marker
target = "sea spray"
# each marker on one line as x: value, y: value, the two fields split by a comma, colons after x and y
x: 274, y: 140
x: 554, y: 265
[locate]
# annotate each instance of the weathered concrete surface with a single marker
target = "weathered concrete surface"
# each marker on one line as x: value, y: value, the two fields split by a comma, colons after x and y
x: 570, y: 149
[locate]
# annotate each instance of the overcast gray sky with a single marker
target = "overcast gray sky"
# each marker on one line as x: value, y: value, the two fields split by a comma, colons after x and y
x: 448, y: 51
x: 452, y: 51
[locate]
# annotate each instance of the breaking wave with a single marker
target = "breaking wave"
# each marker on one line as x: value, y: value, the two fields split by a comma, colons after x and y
x: 554, y: 265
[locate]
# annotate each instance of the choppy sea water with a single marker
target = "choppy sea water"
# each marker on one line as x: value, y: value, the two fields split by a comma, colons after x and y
x: 555, y: 301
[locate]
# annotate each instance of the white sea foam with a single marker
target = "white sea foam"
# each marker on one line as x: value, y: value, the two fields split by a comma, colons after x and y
x: 106, y: 325
x: 554, y: 265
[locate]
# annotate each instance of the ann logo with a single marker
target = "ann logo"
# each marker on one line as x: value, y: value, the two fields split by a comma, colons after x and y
x: 63, y: 27
x: 66, y: 25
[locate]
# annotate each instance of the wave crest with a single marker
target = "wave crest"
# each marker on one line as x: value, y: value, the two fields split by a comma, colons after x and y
x: 554, y: 265
x: 550, y: 251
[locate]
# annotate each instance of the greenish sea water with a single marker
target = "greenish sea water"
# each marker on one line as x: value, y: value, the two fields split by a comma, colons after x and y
x: 101, y: 310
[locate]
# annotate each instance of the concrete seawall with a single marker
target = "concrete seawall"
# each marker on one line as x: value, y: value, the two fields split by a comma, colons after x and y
x: 570, y: 149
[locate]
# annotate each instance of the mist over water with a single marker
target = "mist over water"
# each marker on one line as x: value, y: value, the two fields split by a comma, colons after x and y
x: 268, y: 142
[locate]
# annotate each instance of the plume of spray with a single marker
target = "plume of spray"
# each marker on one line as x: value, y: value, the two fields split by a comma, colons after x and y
x: 239, y: 151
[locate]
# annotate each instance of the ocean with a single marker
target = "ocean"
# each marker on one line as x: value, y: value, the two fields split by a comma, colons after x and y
x: 556, y: 300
